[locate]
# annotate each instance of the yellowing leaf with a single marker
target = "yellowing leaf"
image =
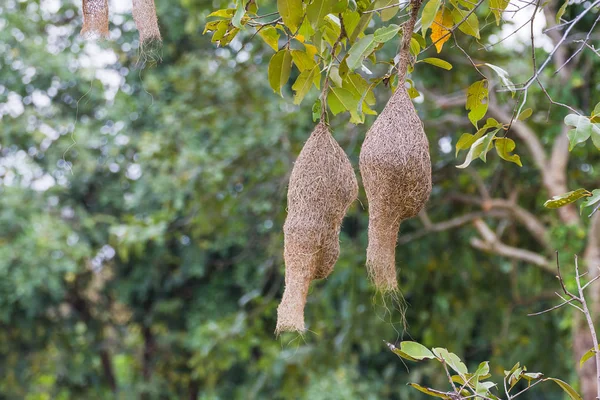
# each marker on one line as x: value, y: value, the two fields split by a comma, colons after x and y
x: 302, y: 60
x: 437, y: 62
x: 280, y: 67
x: 477, y: 101
x: 440, y: 29
x: 504, y: 146
x: 566, y: 198
x: 561, y: 11
x: 270, y: 36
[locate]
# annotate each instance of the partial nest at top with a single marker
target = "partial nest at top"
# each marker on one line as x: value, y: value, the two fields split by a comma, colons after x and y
x: 95, y: 19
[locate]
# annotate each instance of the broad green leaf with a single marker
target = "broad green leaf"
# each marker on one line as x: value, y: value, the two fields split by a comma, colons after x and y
x: 386, y: 33
x: 316, y: 110
x: 360, y: 50
x: 513, y: 369
x: 415, y: 48
x: 310, y: 50
x: 304, y: 83
x: 483, y: 369
x: 430, y: 392
x: 595, y: 117
x: 503, y: 75
x: 516, y: 377
x: 225, y: 13
x: 302, y: 60
x: 583, y: 129
x: 280, y: 67
x: 437, y: 62
x: 440, y: 30
x: 590, y: 201
x: 240, y: 11
x: 252, y: 7
x: 474, y: 151
x: 388, y: 13
x: 317, y: 10
x: 220, y: 31
x: 334, y: 76
x: 306, y: 30
x: 466, y: 140
x: 498, y: 7
x: 429, y: 12
x: 588, y: 354
x: 412, y: 90
x: 339, y: 6
x: 596, y: 135
x: 567, y: 198
x: 416, y: 351
x: 526, y: 113
x: 567, y: 388
x: 504, y: 146
x: 351, y: 20
x: 228, y: 37
x: 291, y: 13
x: 561, y: 11
x: 470, y: 26
x: 359, y: 86
x: 477, y: 101
x: 340, y: 100
x: 451, y: 359
x: 487, y: 144
x: 270, y: 36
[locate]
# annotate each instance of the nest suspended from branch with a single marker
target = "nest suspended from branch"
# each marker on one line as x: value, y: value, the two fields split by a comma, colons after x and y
x: 322, y: 187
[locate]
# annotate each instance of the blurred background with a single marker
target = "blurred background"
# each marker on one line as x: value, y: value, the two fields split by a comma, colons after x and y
x: 141, y: 212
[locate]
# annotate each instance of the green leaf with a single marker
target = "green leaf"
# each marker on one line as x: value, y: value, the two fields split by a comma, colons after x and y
x: 595, y: 117
x: 466, y: 140
x: 428, y: 15
x: 566, y: 198
x: 430, y: 392
x: 475, y: 151
x: 317, y: 10
x: 270, y: 36
x: 588, y: 354
x: 526, y: 113
x: 240, y: 11
x: 497, y: 7
x: 561, y: 11
x: 583, y: 129
x: 339, y: 6
x: 568, y: 389
x: 303, y: 60
x: 340, y: 100
x: 437, y: 62
x: 360, y: 50
x: 487, y: 144
x: 291, y: 13
x: 225, y: 13
x: 416, y: 351
x: 388, y: 13
x: 280, y: 67
x: 451, y: 359
x: 477, y: 101
x: 303, y: 83
x: 505, y: 146
x: 531, y: 376
x: 386, y: 33
x: 470, y: 26
x: 316, y: 110
x: 591, y: 200
x: 503, y: 75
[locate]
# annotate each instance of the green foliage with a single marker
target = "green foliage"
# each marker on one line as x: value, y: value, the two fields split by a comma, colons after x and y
x: 468, y: 385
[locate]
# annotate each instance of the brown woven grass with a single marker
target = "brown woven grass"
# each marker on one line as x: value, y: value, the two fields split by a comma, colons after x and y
x: 322, y: 187
x: 396, y: 172
x: 144, y: 16
x: 95, y: 18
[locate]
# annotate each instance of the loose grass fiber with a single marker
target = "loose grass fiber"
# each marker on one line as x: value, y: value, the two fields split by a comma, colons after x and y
x: 322, y: 187
x: 396, y: 172
x: 95, y: 18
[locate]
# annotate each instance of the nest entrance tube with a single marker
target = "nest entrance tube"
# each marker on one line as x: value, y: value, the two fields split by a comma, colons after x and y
x: 95, y: 18
x: 322, y: 187
x: 396, y: 171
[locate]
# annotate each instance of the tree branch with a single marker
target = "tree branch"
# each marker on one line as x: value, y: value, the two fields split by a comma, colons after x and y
x: 492, y: 244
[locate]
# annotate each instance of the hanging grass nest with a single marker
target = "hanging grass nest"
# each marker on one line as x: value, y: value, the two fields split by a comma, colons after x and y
x: 322, y: 187
x: 95, y: 18
x: 396, y: 171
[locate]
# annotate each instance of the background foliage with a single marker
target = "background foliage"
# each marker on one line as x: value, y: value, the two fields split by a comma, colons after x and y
x: 141, y: 208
